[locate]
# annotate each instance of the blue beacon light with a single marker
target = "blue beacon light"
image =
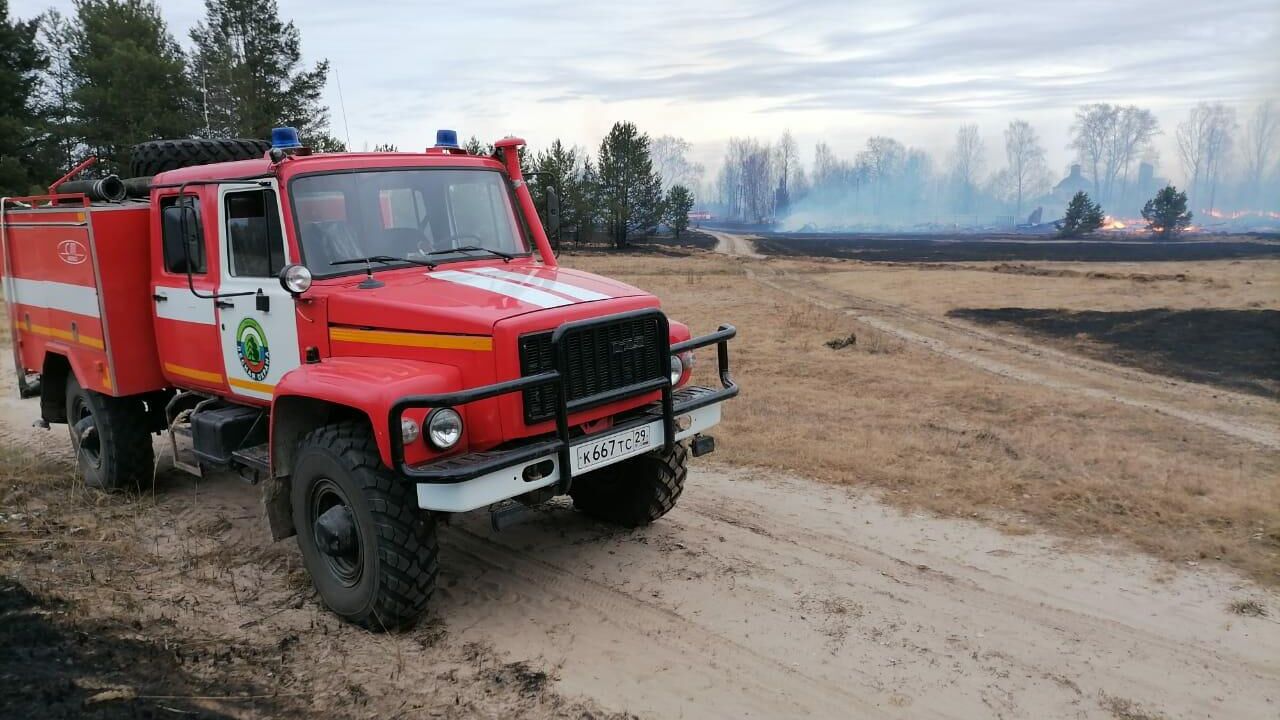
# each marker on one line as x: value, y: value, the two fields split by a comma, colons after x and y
x: 447, y: 139
x: 285, y: 138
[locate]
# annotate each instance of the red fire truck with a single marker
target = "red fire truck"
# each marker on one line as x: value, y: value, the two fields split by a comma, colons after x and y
x: 379, y: 339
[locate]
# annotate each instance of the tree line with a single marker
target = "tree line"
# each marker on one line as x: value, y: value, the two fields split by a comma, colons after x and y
x: 632, y: 185
x: 111, y: 75
x: 1225, y: 163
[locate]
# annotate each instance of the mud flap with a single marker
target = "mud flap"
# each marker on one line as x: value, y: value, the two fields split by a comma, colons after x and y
x: 276, y: 503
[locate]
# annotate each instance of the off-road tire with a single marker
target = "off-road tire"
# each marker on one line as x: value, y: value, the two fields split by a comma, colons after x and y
x: 399, y: 557
x: 124, y: 458
x: 157, y: 156
x: 634, y: 492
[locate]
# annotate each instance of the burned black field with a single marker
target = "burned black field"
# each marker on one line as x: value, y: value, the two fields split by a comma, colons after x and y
x: 1235, y: 349
x: 967, y: 248
x: 57, y: 665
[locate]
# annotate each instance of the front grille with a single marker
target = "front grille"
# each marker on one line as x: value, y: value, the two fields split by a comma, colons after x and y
x: 599, y: 359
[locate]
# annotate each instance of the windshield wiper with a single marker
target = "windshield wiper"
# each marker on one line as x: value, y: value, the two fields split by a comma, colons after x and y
x: 507, y: 257
x: 384, y: 259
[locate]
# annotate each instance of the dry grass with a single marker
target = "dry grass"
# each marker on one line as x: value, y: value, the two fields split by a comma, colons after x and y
x: 1248, y: 608
x: 936, y: 434
x: 1125, y: 709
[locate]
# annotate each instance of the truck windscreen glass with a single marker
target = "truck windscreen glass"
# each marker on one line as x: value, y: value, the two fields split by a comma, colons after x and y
x: 416, y: 214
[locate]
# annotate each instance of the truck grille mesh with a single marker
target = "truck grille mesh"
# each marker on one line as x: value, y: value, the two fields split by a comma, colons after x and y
x: 600, y: 359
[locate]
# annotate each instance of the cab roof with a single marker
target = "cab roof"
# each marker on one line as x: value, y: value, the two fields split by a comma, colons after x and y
x: 325, y: 162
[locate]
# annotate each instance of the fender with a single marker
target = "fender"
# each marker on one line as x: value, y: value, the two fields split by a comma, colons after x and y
x: 314, y: 394
x: 368, y: 385
x: 81, y: 367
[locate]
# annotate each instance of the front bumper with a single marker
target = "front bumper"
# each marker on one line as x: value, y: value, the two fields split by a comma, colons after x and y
x: 474, y: 480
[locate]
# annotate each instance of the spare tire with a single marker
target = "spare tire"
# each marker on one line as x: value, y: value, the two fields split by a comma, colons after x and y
x: 157, y: 156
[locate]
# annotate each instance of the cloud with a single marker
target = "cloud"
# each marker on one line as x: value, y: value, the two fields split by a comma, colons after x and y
x: 714, y: 68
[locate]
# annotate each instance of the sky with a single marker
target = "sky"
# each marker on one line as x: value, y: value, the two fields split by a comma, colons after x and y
x: 829, y: 71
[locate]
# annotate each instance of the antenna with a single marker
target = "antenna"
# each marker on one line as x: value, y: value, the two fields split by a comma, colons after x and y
x: 341, y: 104
x: 204, y: 89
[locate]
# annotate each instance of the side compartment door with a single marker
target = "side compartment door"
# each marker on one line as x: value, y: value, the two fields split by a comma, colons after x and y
x: 185, y: 324
x: 259, y: 330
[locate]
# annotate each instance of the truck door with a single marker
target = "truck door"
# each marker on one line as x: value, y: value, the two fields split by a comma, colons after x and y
x: 259, y: 330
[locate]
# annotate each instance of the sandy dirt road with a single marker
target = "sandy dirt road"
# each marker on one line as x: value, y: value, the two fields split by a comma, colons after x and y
x: 765, y: 596
x: 734, y: 244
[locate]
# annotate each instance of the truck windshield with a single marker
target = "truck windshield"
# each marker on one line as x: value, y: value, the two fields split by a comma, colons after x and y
x: 416, y: 214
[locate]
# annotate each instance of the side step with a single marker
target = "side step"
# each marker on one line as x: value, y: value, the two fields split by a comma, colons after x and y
x: 184, y: 457
x: 256, y: 458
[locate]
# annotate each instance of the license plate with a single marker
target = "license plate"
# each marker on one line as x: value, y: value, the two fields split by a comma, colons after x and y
x: 618, y: 446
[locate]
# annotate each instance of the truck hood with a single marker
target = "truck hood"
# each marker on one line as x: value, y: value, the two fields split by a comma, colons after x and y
x: 468, y: 300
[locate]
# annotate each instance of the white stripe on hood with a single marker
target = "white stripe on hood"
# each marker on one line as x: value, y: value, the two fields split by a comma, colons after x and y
x: 524, y: 294
x: 573, y: 291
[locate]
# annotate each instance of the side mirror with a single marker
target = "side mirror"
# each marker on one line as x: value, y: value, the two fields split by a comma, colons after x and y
x: 182, y: 238
x: 296, y: 279
x: 553, y: 212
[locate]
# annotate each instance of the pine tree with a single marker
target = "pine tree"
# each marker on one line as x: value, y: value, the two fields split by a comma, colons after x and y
x: 1166, y: 213
x: 58, y: 146
x: 1083, y: 216
x: 248, y: 68
x: 563, y: 168
x: 630, y: 191
x: 132, y: 82
x: 20, y: 61
x: 677, y: 206
x: 473, y: 146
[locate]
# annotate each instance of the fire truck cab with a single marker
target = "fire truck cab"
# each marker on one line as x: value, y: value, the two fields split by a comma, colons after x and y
x: 378, y: 339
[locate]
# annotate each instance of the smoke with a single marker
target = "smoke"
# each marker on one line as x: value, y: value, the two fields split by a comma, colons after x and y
x: 888, y: 186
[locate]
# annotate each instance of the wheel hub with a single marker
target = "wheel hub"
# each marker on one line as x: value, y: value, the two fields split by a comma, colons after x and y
x: 85, y: 436
x: 336, y: 532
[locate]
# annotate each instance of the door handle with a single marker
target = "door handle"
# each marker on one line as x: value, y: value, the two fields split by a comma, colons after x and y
x: 224, y: 303
x: 159, y: 298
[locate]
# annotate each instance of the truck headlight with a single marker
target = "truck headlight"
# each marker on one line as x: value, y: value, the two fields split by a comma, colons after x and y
x: 444, y: 428
x: 677, y: 369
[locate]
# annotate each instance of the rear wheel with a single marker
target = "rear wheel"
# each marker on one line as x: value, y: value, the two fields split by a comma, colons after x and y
x: 634, y: 492
x: 110, y: 439
x: 371, y: 552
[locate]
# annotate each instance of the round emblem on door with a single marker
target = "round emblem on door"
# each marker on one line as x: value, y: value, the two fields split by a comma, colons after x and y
x: 251, y: 346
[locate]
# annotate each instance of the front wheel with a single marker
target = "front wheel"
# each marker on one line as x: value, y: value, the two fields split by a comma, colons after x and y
x: 371, y: 552
x: 634, y: 492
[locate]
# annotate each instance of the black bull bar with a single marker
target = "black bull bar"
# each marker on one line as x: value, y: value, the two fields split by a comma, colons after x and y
x: 467, y: 467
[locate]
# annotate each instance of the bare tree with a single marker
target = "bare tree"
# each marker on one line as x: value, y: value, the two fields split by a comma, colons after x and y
x: 966, y: 164
x: 883, y: 160
x: 1260, y: 137
x: 1025, y: 154
x: 1089, y: 139
x: 1108, y: 138
x: 746, y: 180
x: 670, y: 156
x: 1204, y: 144
x: 1130, y: 136
x: 787, y: 156
x: 826, y: 166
